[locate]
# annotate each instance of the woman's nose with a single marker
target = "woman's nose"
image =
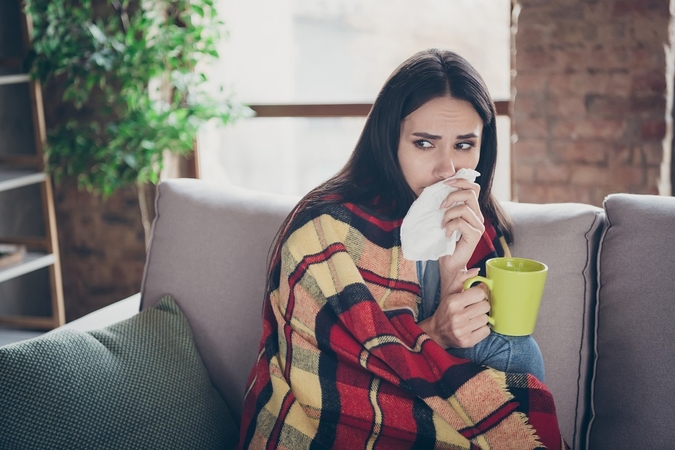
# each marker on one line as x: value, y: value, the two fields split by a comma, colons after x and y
x: 444, y: 168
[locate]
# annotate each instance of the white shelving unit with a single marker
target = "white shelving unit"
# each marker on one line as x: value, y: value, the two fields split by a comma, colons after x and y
x: 21, y: 168
x: 31, y: 261
x: 12, y: 79
x: 12, y: 179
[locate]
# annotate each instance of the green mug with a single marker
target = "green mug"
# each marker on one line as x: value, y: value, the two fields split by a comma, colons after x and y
x: 516, y: 286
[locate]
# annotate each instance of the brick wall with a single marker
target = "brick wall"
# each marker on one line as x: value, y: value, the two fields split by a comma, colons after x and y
x: 591, y: 109
x: 102, y: 246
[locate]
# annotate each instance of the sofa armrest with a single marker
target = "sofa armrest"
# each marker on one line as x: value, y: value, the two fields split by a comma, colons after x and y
x: 103, y: 317
x: 633, y: 392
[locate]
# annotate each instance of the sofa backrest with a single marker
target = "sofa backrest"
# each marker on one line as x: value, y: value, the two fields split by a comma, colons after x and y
x: 565, y: 237
x: 209, y: 251
x: 633, y: 398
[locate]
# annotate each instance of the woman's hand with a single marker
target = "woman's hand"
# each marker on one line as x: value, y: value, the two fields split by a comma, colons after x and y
x: 466, y: 217
x: 461, y: 318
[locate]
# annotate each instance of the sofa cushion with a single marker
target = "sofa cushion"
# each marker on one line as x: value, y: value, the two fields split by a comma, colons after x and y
x: 209, y: 250
x: 136, y: 384
x: 633, y: 396
x: 565, y: 237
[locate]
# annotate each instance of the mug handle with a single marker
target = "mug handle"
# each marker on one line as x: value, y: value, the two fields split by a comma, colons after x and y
x: 487, y: 282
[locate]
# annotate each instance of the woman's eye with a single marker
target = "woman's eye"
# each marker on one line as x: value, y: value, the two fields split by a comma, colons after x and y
x: 423, y: 144
x: 464, y: 145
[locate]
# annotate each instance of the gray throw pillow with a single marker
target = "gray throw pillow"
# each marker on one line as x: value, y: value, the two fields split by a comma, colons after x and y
x: 136, y: 384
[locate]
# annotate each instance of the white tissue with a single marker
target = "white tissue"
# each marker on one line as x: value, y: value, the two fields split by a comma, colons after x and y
x: 422, y: 237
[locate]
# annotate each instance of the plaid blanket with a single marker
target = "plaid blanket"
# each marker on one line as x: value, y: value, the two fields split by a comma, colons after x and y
x: 343, y: 364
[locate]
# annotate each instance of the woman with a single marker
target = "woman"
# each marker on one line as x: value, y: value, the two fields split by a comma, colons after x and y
x: 345, y: 359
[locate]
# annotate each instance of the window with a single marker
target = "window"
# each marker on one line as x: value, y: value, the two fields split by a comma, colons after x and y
x: 334, y: 55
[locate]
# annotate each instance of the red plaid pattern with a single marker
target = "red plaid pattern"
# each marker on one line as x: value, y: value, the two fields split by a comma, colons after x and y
x: 343, y: 364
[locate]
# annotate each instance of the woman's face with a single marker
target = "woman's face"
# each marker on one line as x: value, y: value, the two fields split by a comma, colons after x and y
x: 437, y: 139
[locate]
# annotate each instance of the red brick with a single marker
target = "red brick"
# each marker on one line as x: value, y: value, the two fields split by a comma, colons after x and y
x: 589, y: 175
x: 566, y: 33
x: 531, y: 128
x: 650, y: 106
x: 527, y: 3
x: 529, y: 193
x: 652, y: 153
x: 523, y: 172
x: 566, y: 106
x: 591, y: 128
x: 540, y: 60
x: 540, y: 15
x: 628, y: 8
x: 569, y: 194
x: 623, y: 155
x: 601, y: 192
x: 646, y: 57
x: 655, y: 184
x: 608, y: 57
x: 596, y: 12
x: 591, y: 152
x: 650, y: 31
x: 533, y: 36
x: 651, y: 190
x: 606, y: 106
x: 527, y: 83
x: 559, y: 194
x: 617, y: 82
x: 658, y: 8
x: 533, y: 193
x: 653, y: 180
x: 639, y: 158
x: 528, y: 106
x: 615, y: 32
x: 561, y: 84
x: 552, y: 173
x: 653, y: 129
x: 545, y: 3
x: 627, y: 175
x: 649, y: 82
x: 568, y: 60
x: 529, y: 150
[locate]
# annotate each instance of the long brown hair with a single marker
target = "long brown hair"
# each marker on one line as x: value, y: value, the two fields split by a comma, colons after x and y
x: 373, y: 174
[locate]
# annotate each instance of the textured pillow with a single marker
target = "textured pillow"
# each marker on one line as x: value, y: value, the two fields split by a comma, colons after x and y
x: 136, y: 384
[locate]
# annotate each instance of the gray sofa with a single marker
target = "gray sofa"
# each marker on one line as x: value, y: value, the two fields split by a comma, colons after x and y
x: 604, y: 326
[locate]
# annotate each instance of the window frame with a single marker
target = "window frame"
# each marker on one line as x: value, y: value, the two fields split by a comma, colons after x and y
x: 313, y: 110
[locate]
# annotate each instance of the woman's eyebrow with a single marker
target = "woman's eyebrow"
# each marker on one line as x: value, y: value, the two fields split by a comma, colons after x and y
x: 467, y: 136
x: 424, y: 135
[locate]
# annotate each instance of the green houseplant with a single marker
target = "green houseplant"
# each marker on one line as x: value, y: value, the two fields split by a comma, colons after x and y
x: 131, y: 86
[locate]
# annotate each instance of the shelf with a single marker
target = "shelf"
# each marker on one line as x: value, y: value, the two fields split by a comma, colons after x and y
x: 14, y: 79
x: 31, y: 262
x: 22, y: 164
x: 29, y: 322
x: 21, y: 160
x: 12, y: 179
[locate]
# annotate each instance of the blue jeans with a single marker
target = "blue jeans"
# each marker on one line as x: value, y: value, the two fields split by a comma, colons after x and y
x: 513, y: 354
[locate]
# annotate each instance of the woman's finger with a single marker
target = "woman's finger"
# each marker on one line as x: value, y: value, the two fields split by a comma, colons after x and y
x: 461, y: 184
x: 463, y: 197
x: 463, y: 212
